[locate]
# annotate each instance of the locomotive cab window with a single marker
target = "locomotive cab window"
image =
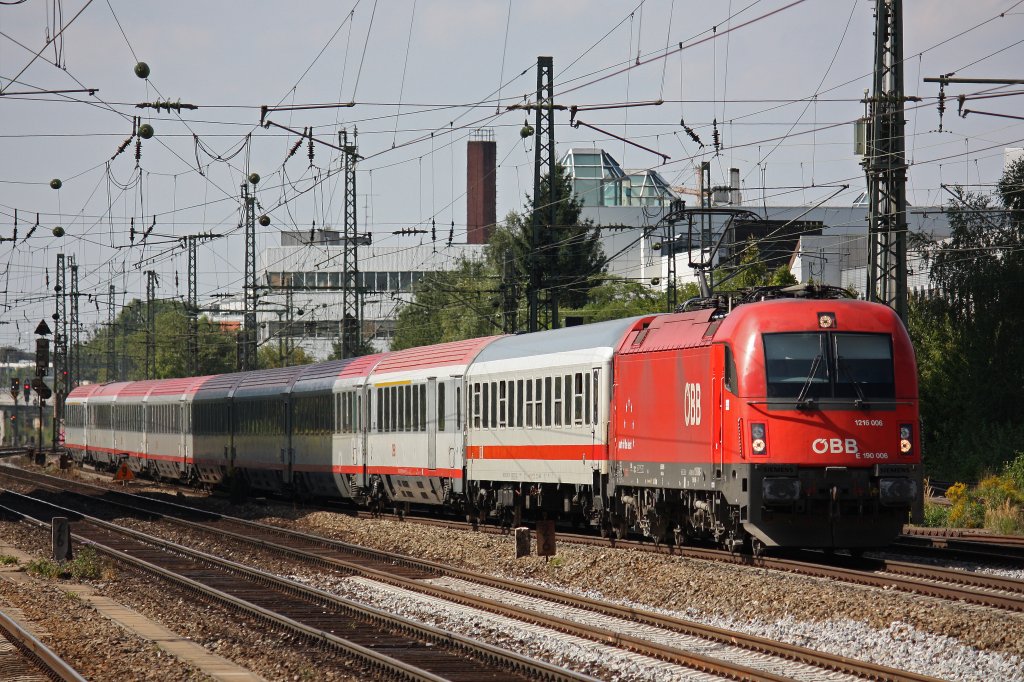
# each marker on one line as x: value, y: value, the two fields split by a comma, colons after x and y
x: 864, y: 366
x: 823, y: 365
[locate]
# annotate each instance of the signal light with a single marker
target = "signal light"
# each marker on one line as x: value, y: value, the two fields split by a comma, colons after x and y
x: 758, y: 442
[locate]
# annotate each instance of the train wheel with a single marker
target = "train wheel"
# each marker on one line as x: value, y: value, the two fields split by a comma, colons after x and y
x: 756, y: 548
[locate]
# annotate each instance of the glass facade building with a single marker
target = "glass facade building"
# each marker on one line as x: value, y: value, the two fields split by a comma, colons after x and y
x: 598, y: 180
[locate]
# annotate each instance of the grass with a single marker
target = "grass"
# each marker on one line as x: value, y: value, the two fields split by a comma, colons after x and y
x: 87, y: 565
x: 8, y: 560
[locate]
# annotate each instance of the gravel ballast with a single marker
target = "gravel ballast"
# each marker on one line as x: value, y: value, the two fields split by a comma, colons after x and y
x: 926, y: 635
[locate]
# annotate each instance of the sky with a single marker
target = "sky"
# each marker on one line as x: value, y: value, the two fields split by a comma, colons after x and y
x: 781, y: 80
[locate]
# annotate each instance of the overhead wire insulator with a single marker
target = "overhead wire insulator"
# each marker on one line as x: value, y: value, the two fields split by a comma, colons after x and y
x: 451, y: 234
x: 311, y: 146
x: 32, y: 230
x: 691, y: 132
x: 295, y: 147
x: 131, y: 231
x: 716, y: 138
x: 942, y: 103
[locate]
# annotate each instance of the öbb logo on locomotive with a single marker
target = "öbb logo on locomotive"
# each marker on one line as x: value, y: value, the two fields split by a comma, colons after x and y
x: 691, y: 401
x: 751, y: 422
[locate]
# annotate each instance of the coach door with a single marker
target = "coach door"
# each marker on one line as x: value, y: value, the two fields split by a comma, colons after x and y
x: 363, y: 425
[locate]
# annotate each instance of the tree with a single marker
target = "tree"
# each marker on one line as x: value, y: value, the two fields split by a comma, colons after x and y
x: 268, y: 356
x: 456, y: 304
x: 568, y: 254
x: 753, y: 272
x: 216, y: 347
x: 970, y: 361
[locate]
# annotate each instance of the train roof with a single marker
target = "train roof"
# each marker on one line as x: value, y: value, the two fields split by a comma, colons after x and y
x: 667, y: 332
x: 361, y: 366
x: 111, y: 390
x: 788, y: 314
x: 597, y: 335
x: 320, y: 376
x: 264, y: 382
x: 218, y: 386
x: 439, y: 355
x: 85, y: 391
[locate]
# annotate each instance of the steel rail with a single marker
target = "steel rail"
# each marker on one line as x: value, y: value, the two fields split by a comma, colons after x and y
x: 52, y: 665
x: 750, y: 642
x: 512, y: 661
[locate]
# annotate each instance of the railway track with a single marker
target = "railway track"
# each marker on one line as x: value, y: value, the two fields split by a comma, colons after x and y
x: 944, y: 583
x: 391, y: 646
x: 956, y: 544
x: 732, y: 654
x: 25, y: 659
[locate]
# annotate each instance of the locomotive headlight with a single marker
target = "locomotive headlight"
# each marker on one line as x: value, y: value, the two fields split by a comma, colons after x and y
x: 757, y: 439
x: 906, y: 439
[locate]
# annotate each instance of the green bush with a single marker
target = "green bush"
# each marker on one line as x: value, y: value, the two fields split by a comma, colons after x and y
x: 1014, y: 470
x: 44, y: 568
x: 86, y: 565
x: 936, y: 515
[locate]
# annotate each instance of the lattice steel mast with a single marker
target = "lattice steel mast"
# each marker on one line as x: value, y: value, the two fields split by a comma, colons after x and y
x: 248, y: 336
x: 351, y: 310
x: 544, y: 207
x: 885, y: 164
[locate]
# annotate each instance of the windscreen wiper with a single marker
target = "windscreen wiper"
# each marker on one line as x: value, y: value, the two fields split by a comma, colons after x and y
x: 801, y: 399
x: 841, y: 365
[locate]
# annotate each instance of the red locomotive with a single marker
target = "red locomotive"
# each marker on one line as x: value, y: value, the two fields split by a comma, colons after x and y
x: 788, y: 422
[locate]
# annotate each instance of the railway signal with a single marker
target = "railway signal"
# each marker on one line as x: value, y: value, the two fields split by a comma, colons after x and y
x: 15, y: 384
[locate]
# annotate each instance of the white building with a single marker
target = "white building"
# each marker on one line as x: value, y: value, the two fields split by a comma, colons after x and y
x: 310, y: 274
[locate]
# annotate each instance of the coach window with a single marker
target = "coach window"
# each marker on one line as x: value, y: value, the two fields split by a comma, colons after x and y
x: 502, y: 403
x: 557, y: 405
x: 586, y: 398
x: 494, y: 404
x: 512, y: 410
x: 380, y: 410
x: 396, y: 408
x: 538, y: 402
x: 547, y: 401
x: 458, y: 407
x: 485, y: 395
x: 413, y: 407
x: 519, y: 403
x: 440, y: 407
x: 423, y: 407
x: 577, y: 408
x: 475, y: 408
x: 529, y: 403
x: 400, y: 422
